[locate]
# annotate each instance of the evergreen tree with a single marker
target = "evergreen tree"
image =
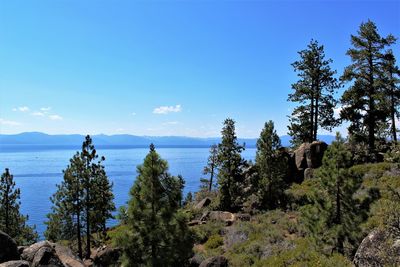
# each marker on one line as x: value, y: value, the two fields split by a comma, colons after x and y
x: 11, y: 221
x: 333, y: 215
x: 392, y: 90
x: 314, y: 91
x: 364, y: 102
x: 271, y: 168
x: 156, y: 232
x: 230, y: 176
x: 211, y: 168
x: 83, y: 201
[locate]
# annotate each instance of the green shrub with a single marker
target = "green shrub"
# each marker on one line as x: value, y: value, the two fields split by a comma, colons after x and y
x: 214, y: 241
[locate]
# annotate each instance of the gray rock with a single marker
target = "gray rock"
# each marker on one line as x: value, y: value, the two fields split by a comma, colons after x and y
x: 379, y: 248
x: 227, y: 217
x: 15, y: 264
x: 195, y: 261
x: 106, y: 256
x: 67, y: 257
x: 46, y: 256
x: 8, y: 248
x: 29, y: 253
x: 202, y: 204
x: 308, y: 173
x: 219, y: 261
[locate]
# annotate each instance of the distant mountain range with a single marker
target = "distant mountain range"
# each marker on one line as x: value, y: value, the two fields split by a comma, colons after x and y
x: 37, y: 138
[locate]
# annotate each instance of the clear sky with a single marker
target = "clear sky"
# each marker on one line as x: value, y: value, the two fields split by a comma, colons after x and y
x: 165, y: 67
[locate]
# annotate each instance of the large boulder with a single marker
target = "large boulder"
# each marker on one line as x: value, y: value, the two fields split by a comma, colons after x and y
x: 219, y: 261
x: 15, y: 264
x: 46, y: 256
x: 309, y: 155
x: 227, y: 217
x: 202, y: 204
x: 8, y: 248
x: 29, y: 253
x: 67, y: 257
x: 106, y: 256
x: 47, y: 253
x: 379, y: 248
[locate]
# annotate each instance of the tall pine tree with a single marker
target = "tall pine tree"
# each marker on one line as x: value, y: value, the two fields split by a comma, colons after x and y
x: 271, y: 168
x: 83, y: 201
x: 211, y: 168
x: 12, y: 221
x: 315, y: 94
x: 333, y: 214
x: 155, y: 231
x: 364, y: 102
x: 230, y: 176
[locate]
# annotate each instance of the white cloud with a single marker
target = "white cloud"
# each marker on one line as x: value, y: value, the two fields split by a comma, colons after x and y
x: 9, y: 123
x: 55, y: 117
x: 167, y: 109
x: 22, y: 109
x: 133, y: 113
x: 37, y: 114
x: 45, y: 109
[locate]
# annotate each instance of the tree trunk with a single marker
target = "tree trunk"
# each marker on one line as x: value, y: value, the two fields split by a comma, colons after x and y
x: 316, y: 119
x: 211, y: 178
x: 312, y: 117
x: 393, y: 111
x: 371, y: 102
x: 78, y: 222
x: 7, y: 204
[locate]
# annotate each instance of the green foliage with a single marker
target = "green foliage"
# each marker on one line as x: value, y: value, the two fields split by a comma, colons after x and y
x: 364, y: 102
x: 204, y: 231
x: 211, y: 169
x: 314, y: 91
x: 304, y: 254
x: 230, y: 176
x: 271, y: 168
x: 333, y: 215
x: 84, y: 199
x: 214, y: 241
x: 156, y: 232
x: 12, y: 221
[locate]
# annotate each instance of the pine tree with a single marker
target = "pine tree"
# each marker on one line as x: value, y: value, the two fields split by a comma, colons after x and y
x: 314, y: 91
x: 156, y: 232
x: 211, y: 168
x: 364, y: 102
x: 84, y: 199
x: 11, y: 221
x: 271, y: 168
x: 333, y: 215
x: 230, y: 176
x: 392, y: 90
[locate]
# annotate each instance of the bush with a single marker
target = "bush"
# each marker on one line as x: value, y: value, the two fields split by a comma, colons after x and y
x: 214, y: 241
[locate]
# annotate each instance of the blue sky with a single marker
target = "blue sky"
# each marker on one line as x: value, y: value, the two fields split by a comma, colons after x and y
x: 165, y: 67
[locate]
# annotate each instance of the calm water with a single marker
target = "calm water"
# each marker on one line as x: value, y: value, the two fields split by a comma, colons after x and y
x: 37, y: 170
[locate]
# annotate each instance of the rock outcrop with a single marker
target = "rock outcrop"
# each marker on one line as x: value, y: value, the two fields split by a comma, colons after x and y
x: 106, y: 256
x: 219, y: 261
x: 47, y: 253
x: 307, y: 157
x: 378, y: 249
x: 8, y: 248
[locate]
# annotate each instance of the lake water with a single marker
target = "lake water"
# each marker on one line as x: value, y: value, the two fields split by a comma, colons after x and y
x: 37, y: 170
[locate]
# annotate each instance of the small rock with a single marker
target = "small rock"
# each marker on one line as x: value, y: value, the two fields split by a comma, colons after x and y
x: 308, y: 173
x: 224, y: 216
x: 8, y: 248
x: 219, y: 261
x: 244, y: 217
x: 195, y: 261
